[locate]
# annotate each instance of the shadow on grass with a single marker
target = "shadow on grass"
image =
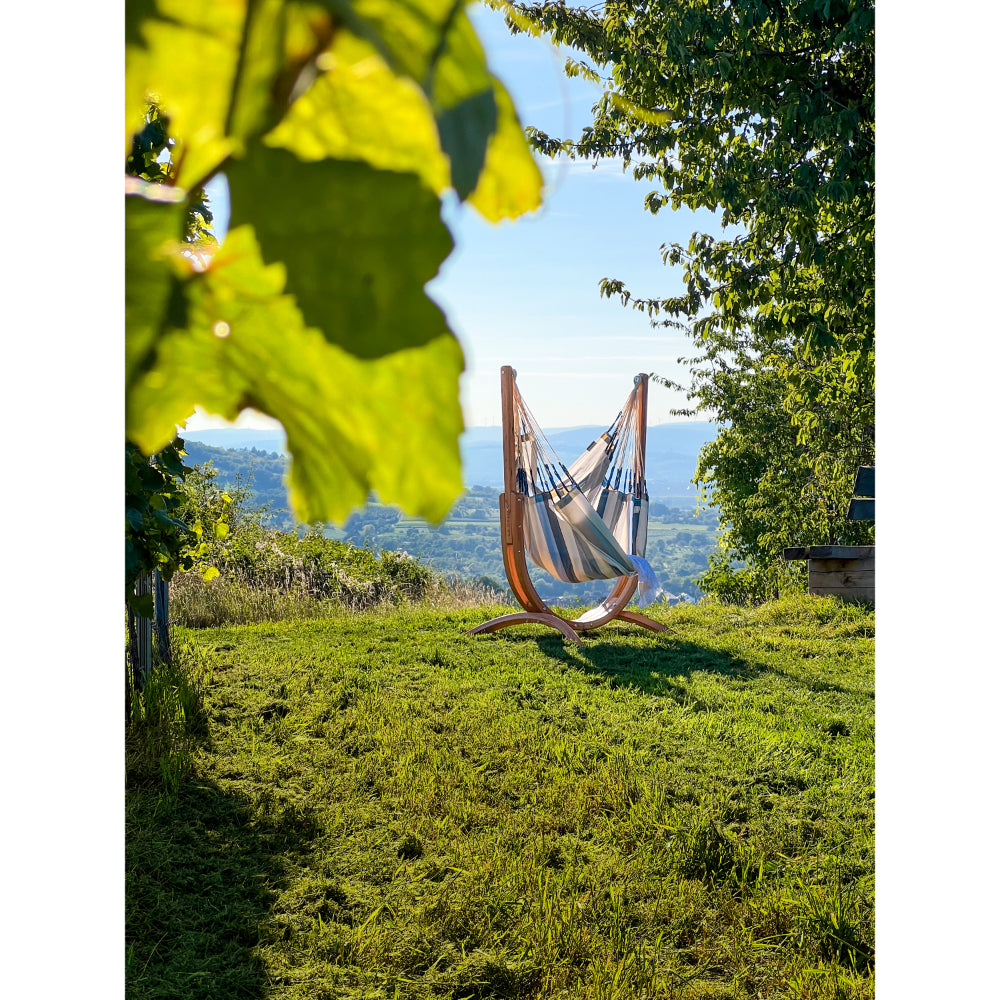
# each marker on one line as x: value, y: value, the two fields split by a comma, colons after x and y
x: 200, y: 869
x: 657, y: 669
x: 651, y: 669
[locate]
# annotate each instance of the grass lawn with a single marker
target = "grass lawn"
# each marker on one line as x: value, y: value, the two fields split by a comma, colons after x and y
x: 379, y: 806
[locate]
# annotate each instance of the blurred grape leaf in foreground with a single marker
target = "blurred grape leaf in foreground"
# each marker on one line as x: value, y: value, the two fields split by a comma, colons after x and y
x: 339, y: 126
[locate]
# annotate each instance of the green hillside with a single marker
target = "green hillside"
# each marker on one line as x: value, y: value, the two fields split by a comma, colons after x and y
x: 377, y: 805
x: 262, y: 472
x: 467, y: 543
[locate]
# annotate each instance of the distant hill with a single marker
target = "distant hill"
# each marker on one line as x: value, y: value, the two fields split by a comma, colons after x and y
x: 671, y: 451
x: 238, y: 439
x: 261, y: 469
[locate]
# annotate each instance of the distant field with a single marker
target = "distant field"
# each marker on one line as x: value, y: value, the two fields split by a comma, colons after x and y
x: 468, y: 544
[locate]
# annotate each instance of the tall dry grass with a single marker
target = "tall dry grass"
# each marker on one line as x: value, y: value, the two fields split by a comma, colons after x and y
x: 270, y: 576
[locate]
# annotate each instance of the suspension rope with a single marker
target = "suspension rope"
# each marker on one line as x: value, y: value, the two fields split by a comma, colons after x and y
x: 540, y: 470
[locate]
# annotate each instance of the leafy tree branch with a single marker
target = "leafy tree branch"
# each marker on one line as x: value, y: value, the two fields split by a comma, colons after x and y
x: 763, y: 112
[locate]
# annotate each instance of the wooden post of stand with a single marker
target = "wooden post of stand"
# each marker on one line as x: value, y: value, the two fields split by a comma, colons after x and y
x: 507, y: 376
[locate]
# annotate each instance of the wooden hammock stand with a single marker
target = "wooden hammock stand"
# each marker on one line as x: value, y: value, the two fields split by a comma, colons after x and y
x: 512, y: 542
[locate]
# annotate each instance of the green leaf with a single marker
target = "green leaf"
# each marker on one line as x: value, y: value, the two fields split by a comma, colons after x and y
x: 358, y: 244
x: 141, y: 605
x: 433, y: 42
x: 210, y: 67
x: 255, y: 102
x: 511, y: 183
x: 153, y: 230
x: 465, y: 131
x: 358, y: 109
x: 353, y: 426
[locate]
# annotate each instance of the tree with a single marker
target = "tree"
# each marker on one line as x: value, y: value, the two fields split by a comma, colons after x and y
x: 762, y: 111
x: 338, y: 125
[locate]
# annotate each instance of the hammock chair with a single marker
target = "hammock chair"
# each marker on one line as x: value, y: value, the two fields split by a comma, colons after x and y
x: 587, y: 522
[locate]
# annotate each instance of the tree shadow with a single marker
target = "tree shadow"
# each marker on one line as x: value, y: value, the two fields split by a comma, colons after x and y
x: 660, y: 666
x: 203, y: 871
x: 203, y: 868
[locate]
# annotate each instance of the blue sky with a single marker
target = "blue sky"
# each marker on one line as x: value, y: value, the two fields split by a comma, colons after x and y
x: 526, y: 292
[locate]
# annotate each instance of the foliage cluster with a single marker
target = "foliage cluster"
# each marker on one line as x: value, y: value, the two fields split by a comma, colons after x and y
x: 171, y: 519
x: 380, y: 805
x: 764, y: 114
x: 322, y: 566
x: 338, y: 126
x: 268, y: 574
x: 261, y: 573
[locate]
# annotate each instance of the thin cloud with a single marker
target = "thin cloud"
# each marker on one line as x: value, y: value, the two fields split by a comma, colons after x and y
x: 587, y: 99
x: 616, y: 339
x: 604, y: 169
x: 587, y: 359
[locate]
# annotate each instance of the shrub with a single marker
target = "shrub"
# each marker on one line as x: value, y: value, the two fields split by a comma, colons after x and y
x: 271, y: 575
x: 747, y: 585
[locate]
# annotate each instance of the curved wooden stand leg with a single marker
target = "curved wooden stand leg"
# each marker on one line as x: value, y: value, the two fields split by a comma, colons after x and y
x: 527, y: 618
x: 636, y: 619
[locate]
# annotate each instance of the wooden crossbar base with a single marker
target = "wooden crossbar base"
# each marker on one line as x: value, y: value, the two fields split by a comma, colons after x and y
x: 570, y: 629
x: 636, y: 619
x: 525, y: 618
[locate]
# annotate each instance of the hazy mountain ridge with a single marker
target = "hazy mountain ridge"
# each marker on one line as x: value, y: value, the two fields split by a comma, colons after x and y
x: 671, y: 451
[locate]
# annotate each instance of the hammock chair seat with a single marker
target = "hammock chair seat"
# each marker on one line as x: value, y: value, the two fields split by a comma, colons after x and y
x: 585, y: 522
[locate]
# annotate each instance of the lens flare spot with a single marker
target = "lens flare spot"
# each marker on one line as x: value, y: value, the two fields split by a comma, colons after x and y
x: 221, y: 329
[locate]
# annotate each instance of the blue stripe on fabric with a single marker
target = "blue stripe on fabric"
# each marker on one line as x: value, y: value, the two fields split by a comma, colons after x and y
x: 586, y: 565
x: 554, y: 543
x: 596, y: 533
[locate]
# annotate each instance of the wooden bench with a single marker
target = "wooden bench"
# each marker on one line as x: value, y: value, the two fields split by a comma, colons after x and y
x: 845, y: 571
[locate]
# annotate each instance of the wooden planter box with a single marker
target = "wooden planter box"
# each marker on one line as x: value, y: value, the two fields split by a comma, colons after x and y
x: 844, y: 571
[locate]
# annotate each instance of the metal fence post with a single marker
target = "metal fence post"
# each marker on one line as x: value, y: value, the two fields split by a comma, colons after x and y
x: 143, y: 632
x: 161, y: 606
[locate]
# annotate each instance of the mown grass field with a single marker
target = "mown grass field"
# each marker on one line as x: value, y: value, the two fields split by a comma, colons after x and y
x: 379, y: 806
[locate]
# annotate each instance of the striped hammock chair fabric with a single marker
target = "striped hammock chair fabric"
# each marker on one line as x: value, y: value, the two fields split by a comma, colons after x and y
x: 588, y: 521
